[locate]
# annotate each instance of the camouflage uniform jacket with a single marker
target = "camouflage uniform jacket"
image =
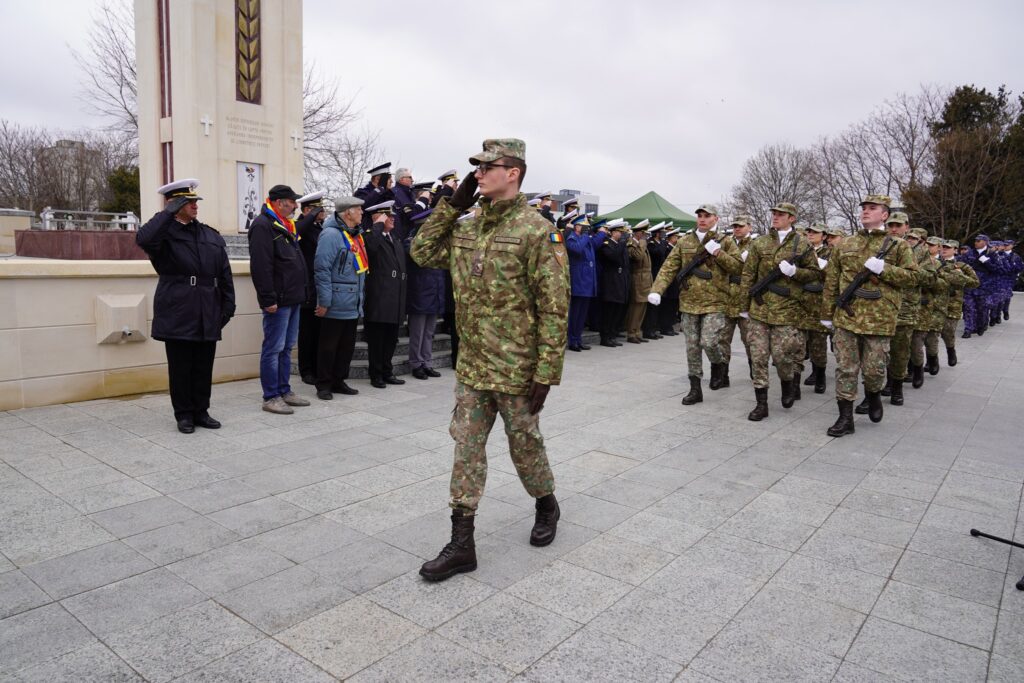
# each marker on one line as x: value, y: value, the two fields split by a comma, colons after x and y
x: 872, y: 316
x: 912, y: 293
x: 707, y: 288
x: 639, y: 270
x: 968, y: 280
x: 736, y: 297
x: 935, y: 288
x: 812, y: 299
x: 511, y: 289
x: 782, y: 303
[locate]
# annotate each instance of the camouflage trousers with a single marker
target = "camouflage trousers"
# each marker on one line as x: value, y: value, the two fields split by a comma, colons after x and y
x: 858, y: 354
x: 635, y: 318
x: 472, y: 419
x: 783, y: 344
x: 925, y: 342
x: 817, y: 347
x: 899, y: 351
x: 703, y: 332
x: 729, y: 331
x: 949, y: 333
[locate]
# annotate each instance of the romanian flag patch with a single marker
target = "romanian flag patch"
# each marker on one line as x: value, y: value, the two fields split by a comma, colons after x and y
x: 555, y: 237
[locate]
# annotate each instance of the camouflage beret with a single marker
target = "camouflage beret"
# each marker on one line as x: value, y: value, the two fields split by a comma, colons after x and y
x: 494, y: 149
x: 741, y: 220
x: 898, y: 217
x: 835, y: 232
x: 708, y: 208
x: 937, y: 241
x: 882, y: 199
x: 785, y: 207
x: 919, y: 233
x: 952, y: 244
x: 818, y: 227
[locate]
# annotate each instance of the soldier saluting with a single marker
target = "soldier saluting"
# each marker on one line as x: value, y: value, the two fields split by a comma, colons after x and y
x: 509, y: 277
x: 865, y: 275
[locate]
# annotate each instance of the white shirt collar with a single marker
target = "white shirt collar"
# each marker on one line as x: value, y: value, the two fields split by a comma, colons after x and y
x: 783, y: 234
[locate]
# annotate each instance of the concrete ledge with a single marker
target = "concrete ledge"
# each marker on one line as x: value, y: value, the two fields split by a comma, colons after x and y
x: 67, y: 268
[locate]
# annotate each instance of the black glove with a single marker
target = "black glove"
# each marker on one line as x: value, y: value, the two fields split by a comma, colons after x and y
x: 537, y: 394
x: 174, y: 205
x: 465, y: 193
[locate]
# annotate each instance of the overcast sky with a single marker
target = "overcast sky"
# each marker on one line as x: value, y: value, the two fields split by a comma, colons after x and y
x: 611, y: 97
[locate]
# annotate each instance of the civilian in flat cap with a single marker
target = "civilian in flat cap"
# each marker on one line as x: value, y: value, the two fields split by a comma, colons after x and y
x: 308, y: 226
x: 378, y: 190
x: 509, y: 274
x: 954, y: 309
x: 385, y: 295
x: 278, y: 271
x: 339, y: 271
x: 194, y: 299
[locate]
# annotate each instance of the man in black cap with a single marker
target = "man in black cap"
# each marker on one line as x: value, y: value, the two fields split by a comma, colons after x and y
x: 385, y: 295
x: 376, y: 191
x: 308, y: 226
x: 278, y: 272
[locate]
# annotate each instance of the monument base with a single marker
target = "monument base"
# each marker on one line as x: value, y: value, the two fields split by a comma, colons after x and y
x: 78, y: 245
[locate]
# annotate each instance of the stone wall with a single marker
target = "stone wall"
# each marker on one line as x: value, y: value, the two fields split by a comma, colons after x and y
x: 12, y: 220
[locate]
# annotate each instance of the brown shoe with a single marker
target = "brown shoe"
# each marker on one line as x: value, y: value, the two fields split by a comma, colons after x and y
x: 456, y: 557
x: 293, y: 400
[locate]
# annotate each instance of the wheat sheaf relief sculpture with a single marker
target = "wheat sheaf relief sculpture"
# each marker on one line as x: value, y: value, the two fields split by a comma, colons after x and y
x: 247, y: 40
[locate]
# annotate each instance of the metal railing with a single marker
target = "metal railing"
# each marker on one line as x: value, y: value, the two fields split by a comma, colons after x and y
x: 66, y: 219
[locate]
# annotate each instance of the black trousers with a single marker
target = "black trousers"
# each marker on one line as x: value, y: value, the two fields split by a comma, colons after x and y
x: 611, y: 317
x: 651, y: 319
x: 309, y: 339
x: 190, y: 374
x: 667, y: 312
x: 452, y: 331
x: 381, y: 340
x: 334, y: 351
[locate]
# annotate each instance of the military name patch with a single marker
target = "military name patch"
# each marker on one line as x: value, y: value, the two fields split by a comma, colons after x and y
x: 508, y: 240
x: 555, y: 237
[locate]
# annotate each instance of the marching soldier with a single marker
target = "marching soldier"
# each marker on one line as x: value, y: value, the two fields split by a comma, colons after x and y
x: 704, y: 259
x: 931, y: 288
x: 640, y: 282
x: 955, y: 307
x: 947, y: 279
x: 817, y: 334
x: 741, y: 226
x: 863, y: 284
x: 780, y: 264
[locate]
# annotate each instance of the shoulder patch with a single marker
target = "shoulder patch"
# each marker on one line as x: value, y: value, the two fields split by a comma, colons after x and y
x: 555, y: 237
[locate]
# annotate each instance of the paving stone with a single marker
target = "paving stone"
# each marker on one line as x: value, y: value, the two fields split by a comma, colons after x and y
x: 767, y: 528
x: 952, y: 578
x: 175, y: 542
x: 958, y: 521
x: 509, y: 631
x: 433, y: 658
x: 619, y: 558
x: 19, y: 594
x: 217, y: 496
x: 742, y: 652
x: 855, y: 553
x: 324, y: 496
x: 189, y: 475
x: 571, y: 591
x: 886, y: 505
x: 691, y: 510
x: 910, y: 654
x: 228, y: 567
x: 853, y: 673
x: 1009, y: 639
x: 658, y: 476
x: 738, y: 555
x: 978, y: 494
x: 728, y: 494
x: 178, y: 643
x: 833, y: 583
x: 1005, y: 669
x: 364, y: 564
x: 259, y: 516
x: 829, y: 474
x: 629, y: 493
x: 568, y: 477
x: 38, y: 635
x: 942, y: 615
x: 142, y: 516
x: 427, y: 603
x: 87, y: 569
x: 135, y: 600
x: 92, y: 664
x: 347, y: 638
x: 659, y: 532
x: 280, y: 600
x: 381, y: 479
x: 594, y: 513
x: 266, y: 660
x: 812, y: 489
x: 595, y: 656
x: 501, y: 563
x: 308, y: 538
x: 107, y: 496
x: 41, y: 537
x: 960, y: 547
x: 870, y: 527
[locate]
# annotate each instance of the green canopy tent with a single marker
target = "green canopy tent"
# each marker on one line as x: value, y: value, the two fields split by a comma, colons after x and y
x: 654, y: 208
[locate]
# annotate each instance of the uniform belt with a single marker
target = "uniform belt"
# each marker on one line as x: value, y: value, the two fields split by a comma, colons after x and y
x: 192, y: 280
x: 702, y: 274
x: 814, y: 287
x: 925, y: 302
x: 778, y: 289
x: 862, y: 293
x: 735, y: 279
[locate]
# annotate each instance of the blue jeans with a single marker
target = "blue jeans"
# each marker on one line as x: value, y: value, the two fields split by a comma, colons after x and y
x: 280, y: 330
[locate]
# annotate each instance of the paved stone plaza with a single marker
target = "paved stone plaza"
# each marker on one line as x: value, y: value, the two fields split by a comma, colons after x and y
x: 693, y: 543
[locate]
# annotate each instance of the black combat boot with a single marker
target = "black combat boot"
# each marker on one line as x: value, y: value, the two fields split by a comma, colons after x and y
x: 695, y: 395
x: 897, y: 392
x: 545, y: 522
x: 917, y: 376
x: 811, y: 377
x: 887, y: 389
x: 1006, y: 315
x: 950, y: 357
x: 458, y: 556
x: 844, y: 425
x: 933, y: 365
x: 875, y: 406
x: 819, y: 379
x: 796, y: 386
x: 788, y: 395
x: 716, y: 377
x: 862, y: 407
x: 760, y: 410
x: 724, y: 375
x: 965, y: 335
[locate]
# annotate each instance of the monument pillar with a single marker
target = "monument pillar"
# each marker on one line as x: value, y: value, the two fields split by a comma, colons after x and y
x: 220, y: 99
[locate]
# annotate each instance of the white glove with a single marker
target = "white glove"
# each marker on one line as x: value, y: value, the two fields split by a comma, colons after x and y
x: 826, y: 323
x: 745, y: 315
x: 712, y: 247
x: 983, y: 259
x: 787, y: 268
x: 875, y: 265
x: 654, y: 299
x: 744, y: 254
x: 822, y: 263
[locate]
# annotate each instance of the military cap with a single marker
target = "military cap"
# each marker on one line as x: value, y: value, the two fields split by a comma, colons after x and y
x: 951, y: 244
x: 642, y: 225
x: 818, y: 227
x: 919, y: 233
x: 448, y: 175
x: 982, y: 238
x: 708, y: 208
x: 835, y: 232
x: 425, y: 185
x: 785, y: 207
x: 180, y: 188
x: 422, y: 216
x: 383, y: 169
x: 571, y: 201
x: 499, y: 148
x: 598, y: 224
x: 581, y: 220
x: 383, y: 207
x: 671, y: 232
x: 881, y: 199
x: 542, y: 195
x: 282, y: 192
x: 898, y: 218
x: 937, y: 241
x: 311, y: 198
x: 741, y: 220
x: 534, y: 202
x: 617, y: 224
x: 569, y: 215
x: 342, y: 203
x: 657, y: 227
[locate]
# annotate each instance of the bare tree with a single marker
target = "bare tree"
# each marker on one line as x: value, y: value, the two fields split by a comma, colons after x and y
x: 109, y: 66
x: 777, y: 173
x: 341, y: 167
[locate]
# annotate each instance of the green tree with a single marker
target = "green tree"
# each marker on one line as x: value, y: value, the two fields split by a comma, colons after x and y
x: 123, y: 182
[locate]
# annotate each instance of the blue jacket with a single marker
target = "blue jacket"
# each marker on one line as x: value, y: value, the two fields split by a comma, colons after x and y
x: 988, y: 272
x: 583, y: 262
x: 338, y: 286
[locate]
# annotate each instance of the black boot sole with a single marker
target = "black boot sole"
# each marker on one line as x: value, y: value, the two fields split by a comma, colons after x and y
x: 461, y: 569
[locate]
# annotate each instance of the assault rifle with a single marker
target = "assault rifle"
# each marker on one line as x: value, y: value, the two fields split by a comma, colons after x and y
x: 758, y: 289
x: 683, y: 278
x: 845, y: 299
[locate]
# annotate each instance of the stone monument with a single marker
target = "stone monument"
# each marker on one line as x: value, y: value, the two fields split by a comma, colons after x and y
x: 220, y: 99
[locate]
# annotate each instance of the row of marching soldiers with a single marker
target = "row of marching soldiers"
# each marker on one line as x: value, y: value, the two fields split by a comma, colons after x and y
x: 884, y: 296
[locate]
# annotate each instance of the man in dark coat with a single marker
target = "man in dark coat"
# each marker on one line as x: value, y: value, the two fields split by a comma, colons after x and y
x: 449, y: 181
x: 425, y: 302
x: 308, y: 226
x: 376, y: 191
x: 410, y: 199
x: 385, y: 295
x: 278, y: 272
x: 658, y: 251
x: 194, y: 300
x: 614, y: 282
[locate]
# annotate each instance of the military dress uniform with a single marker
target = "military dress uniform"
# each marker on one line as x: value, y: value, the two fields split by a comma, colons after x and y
x: 862, y: 339
x: 640, y: 284
x: 955, y: 306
